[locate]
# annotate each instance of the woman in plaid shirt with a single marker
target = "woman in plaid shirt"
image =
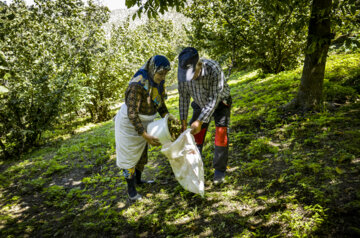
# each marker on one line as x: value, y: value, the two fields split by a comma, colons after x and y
x: 143, y: 98
x: 203, y: 80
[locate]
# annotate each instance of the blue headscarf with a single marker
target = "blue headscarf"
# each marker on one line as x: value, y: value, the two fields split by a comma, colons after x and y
x: 145, y: 77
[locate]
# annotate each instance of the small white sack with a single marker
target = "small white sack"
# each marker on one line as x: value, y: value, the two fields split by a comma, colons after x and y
x: 160, y: 129
x: 186, y: 163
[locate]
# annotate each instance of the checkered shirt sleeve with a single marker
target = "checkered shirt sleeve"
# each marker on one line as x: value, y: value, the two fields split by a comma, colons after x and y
x: 184, y: 100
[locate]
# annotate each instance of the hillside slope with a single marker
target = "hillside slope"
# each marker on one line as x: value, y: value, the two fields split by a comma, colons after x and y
x: 289, y: 175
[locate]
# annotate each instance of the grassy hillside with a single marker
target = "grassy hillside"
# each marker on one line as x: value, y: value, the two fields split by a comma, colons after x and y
x: 289, y: 175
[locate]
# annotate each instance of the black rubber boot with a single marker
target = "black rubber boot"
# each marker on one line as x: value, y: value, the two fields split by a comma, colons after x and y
x: 138, y: 178
x: 133, y: 195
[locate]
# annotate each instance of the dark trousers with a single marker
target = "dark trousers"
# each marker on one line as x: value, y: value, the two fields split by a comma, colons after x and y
x: 222, y: 120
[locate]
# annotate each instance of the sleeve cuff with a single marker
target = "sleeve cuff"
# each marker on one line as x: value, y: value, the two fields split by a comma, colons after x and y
x: 140, y: 131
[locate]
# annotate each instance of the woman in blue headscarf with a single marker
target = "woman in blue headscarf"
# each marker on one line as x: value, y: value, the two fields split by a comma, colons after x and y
x: 143, y: 98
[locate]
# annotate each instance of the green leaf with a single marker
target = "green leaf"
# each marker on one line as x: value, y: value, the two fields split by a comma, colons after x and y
x: 3, y: 90
x: 338, y: 170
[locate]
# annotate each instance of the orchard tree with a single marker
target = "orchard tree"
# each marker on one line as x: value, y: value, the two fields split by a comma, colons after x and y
x: 40, y: 49
x: 324, y: 15
x: 250, y: 34
x: 98, y: 81
x: 318, y: 39
x: 56, y: 61
x: 133, y: 46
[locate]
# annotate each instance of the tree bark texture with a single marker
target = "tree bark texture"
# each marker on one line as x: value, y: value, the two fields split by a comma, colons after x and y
x: 319, y: 36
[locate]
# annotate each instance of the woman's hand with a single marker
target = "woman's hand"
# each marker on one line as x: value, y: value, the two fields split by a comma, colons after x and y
x: 152, y: 140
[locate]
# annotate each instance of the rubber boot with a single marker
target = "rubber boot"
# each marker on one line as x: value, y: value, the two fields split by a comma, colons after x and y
x: 219, y: 177
x: 139, y: 181
x: 133, y: 195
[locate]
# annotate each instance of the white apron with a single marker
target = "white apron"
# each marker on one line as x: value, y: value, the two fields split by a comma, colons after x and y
x: 129, y: 145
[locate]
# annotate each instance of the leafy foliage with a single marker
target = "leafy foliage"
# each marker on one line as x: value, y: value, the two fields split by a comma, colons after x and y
x: 251, y: 33
x: 153, y: 7
x: 119, y: 57
x: 58, y: 63
x: 346, y: 23
x: 40, y: 49
x: 134, y: 46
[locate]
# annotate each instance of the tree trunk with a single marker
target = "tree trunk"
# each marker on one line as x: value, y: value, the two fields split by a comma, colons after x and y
x: 319, y: 36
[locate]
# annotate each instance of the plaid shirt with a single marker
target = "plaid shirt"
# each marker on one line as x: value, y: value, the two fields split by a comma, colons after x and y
x: 207, y: 91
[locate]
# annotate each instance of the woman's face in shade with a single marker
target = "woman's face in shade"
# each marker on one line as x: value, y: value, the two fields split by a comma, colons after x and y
x: 160, y: 76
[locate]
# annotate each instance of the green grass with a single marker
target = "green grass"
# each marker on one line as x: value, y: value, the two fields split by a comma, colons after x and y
x: 289, y: 175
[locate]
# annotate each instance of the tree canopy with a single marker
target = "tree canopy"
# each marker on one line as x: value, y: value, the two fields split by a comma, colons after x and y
x: 249, y: 33
x: 271, y: 34
x: 58, y: 63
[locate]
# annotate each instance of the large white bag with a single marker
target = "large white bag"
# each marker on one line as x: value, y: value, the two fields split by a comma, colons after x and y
x: 186, y: 163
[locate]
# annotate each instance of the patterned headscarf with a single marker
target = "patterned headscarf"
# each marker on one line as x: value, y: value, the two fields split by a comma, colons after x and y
x: 145, y: 77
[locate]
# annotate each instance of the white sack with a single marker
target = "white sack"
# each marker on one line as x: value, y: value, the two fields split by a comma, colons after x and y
x: 186, y: 163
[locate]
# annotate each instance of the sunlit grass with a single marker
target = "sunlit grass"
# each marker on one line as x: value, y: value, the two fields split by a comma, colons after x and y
x: 288, y: 175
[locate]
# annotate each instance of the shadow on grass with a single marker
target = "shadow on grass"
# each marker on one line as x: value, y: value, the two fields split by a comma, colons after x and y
x: 310, y: 186
x: 315, y: 173
x: 82, y: 197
